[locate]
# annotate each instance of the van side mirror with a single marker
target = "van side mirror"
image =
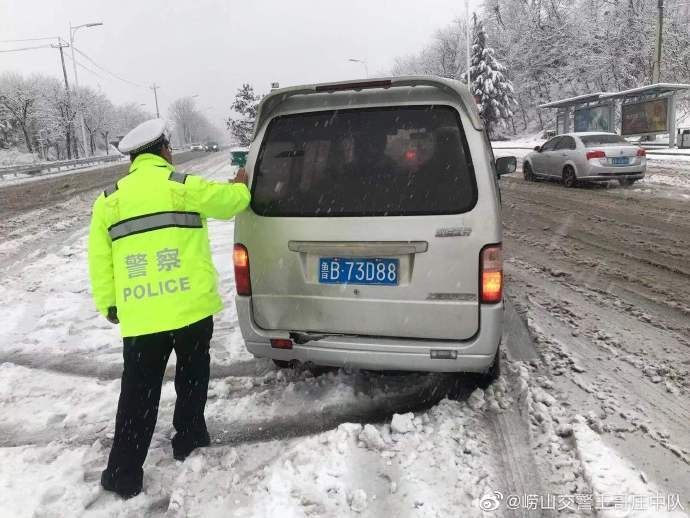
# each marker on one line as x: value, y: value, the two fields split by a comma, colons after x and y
x: 537, y: 149
x: 506, y: 165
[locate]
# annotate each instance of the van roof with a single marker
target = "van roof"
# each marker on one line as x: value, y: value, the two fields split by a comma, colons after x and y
x: 405, y: 89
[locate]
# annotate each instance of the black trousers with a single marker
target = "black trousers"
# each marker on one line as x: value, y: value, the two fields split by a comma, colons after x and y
x: 145, y: 359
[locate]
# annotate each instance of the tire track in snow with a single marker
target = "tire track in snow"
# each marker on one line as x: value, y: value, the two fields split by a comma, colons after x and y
x: 320, y: 419
x: 366, y: 407
x: 80, y: 364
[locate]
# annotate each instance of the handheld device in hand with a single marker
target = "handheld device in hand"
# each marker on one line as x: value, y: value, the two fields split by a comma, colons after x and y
x: 239, y: 157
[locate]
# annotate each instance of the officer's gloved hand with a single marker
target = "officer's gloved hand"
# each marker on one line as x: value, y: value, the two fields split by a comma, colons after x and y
x: 112, y: 315
x: 241, y: 176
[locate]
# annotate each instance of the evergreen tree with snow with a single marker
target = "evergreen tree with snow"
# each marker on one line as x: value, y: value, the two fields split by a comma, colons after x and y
x: 488, y: 82
x: 245, y: 105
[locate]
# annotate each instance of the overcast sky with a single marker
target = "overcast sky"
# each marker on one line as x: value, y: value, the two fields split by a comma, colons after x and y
x: 210, y: 47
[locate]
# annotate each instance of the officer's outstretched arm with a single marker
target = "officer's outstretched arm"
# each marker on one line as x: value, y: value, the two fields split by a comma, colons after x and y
x: 217, y: 200
x: 101, y: 261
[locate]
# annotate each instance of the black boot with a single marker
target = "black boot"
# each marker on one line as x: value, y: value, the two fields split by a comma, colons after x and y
x: 184, y: 445
x: 126, y: 486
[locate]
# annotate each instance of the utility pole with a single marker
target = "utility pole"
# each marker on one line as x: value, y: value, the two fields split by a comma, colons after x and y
x: 60, y: 46
x: 155, y: 87
x: 659, y: 41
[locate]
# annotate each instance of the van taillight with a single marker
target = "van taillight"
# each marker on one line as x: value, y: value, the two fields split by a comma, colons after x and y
x: 641, y: 152
x: 240, y: 257
x: 595, y: 154
x: 491, y: 268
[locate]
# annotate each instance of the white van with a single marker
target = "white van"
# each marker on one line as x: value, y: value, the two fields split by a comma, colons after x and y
x: 373, y: 239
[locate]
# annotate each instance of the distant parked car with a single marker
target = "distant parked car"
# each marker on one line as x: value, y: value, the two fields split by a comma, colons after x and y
x: 211, y: 146
x: 196, y: 147
x: 597, y: 157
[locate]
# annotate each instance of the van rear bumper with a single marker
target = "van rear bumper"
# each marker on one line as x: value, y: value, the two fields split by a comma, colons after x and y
x: 381, y: 353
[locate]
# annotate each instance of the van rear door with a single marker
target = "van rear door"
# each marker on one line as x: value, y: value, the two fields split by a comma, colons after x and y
x: 357, y: 224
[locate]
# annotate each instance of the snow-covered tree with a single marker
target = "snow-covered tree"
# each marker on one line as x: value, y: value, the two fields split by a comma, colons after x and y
x: 18, y: 101
x: 445, y: 56
x: 245, y: 106
x: 98, y: 112
x: 488, y: 82
x: 128, y: 116
x: 59, y: 115
x: 190, y: 124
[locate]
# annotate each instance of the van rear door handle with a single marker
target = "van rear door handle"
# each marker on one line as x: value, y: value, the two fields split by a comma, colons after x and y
x: 358, y: 248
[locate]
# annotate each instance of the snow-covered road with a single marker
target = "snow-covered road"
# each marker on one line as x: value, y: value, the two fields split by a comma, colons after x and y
x: 578, y: 416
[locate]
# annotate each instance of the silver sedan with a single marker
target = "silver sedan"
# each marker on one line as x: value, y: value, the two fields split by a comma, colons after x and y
x: 588, y: 157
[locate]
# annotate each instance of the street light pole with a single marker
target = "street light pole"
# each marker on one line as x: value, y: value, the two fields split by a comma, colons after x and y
x: 72, y: 31
x: 155, y: 88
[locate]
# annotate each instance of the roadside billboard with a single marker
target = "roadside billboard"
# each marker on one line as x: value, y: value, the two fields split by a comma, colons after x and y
x: 645, y: 117
x: 597, y: 118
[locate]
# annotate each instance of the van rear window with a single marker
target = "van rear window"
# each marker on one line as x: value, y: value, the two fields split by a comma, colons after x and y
x: 365, y: 162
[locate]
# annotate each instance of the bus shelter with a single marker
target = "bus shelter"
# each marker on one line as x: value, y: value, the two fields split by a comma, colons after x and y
x: 649, y: 110
x: 583, y: 113
x: 645, y: 111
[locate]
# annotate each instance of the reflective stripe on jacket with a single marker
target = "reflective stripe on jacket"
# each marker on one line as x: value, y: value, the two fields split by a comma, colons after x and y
x: 149, y: 253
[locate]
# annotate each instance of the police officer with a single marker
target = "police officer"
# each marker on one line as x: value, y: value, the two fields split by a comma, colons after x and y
x: 151, y: 271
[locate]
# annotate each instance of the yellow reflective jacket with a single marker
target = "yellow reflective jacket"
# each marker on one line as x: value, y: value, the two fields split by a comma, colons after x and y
x: 149, y: 253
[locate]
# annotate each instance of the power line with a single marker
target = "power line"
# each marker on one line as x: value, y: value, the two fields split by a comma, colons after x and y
x: 29, y: 39
x: 80, y: 65
x: 106, y: 70
x: 26, y: 48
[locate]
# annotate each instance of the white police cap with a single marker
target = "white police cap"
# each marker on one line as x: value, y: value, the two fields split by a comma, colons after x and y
x: 143, y: 136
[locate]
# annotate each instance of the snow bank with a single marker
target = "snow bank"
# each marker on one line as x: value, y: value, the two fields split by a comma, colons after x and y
x: 350, y: 471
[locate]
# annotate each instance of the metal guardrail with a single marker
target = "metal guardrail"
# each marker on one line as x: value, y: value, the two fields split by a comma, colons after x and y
x: 47, y: 167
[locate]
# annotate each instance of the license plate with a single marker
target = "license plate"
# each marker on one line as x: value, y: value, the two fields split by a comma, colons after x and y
x: 341, y: 270
x: 619, y: 161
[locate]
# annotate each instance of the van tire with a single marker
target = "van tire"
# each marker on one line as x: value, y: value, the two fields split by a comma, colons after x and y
x: 493, y: 373
x: 527, y: 172
x: 283, y: 364
x: 627, y: 182
x: 463, y: 384
x: 569, y: 177
x: 320, y: 370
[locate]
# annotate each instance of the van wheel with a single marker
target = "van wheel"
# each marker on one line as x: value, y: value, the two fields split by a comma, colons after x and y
x: 493, y: 373
x: 283, y: 364
x: 320, y: 370
x: 569, y: 177
x: 464, y: 383
x: 627, y: 182
x: 527, y: 172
